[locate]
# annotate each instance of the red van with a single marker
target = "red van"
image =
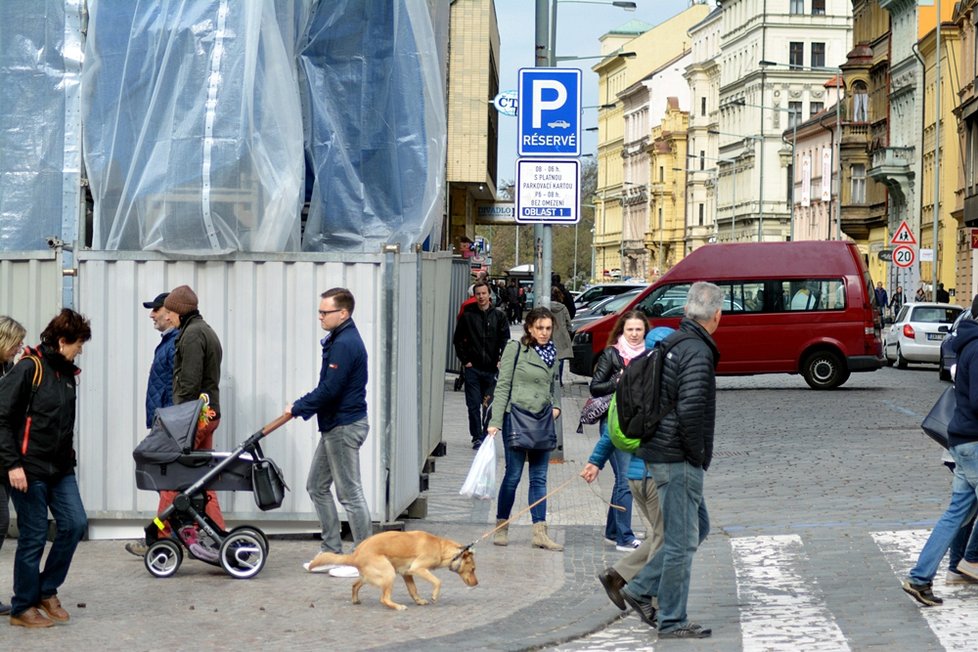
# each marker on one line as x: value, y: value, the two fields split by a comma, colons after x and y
x: 790, y: 307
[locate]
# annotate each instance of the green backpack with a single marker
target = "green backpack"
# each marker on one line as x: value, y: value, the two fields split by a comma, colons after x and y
x: 619, y: 438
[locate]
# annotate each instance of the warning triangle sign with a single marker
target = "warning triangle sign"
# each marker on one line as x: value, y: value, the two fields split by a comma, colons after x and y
x: 903, y: 235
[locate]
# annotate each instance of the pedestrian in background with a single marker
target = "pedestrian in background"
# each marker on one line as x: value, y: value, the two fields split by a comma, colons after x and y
x: 37, y: 455
x: 480, y: 335
x: 11, y: 342
x: 339, y: 403
x: 962, y: 433
x: 527, y: 374
x: 897, y: 301
x: 882, y: 300
x: 562, y: 331
x: 942, y: 295
x: 626, y: 342
x: 920, y: 295
x: 159, y: 387
x: 565, y: 296
x: 196, y: 370
x: 678, y: 454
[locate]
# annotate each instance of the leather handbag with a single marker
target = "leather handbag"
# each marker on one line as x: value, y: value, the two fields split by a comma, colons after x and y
x: 594, y: 408
x: 936, y: 421
x: 532, y: 431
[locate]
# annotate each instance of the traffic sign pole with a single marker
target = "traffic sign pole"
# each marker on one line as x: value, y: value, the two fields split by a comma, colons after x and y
x: 542, y: 234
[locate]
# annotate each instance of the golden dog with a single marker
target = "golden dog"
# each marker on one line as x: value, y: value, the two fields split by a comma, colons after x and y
x: 382, y: 556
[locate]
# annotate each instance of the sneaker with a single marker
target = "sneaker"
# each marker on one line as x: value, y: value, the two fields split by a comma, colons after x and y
x: 4, y: 608
x: 968, y: 568
x: 344, y: 571
x: 628, y: 547
x: 954, y: 577
x: 325, y: 568
x: 688, y: 630
x: 202, y: 552
x: 137, y: 548
x: 643, y: 608
x: 922, y: 593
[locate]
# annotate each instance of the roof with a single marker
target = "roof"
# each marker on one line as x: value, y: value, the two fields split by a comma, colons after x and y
x: 759, y: 260
x: 633, y: 26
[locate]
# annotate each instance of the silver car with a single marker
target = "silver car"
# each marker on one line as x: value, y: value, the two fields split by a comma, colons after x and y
x: 917, y: 333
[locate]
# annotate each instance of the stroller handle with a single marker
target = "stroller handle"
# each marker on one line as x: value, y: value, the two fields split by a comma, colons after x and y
x: 275, y: 425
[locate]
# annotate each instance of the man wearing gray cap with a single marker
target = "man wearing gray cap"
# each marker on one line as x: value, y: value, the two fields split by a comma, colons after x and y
x: 159, y: 389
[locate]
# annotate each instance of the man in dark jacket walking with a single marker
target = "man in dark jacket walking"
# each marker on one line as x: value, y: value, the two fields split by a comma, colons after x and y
x: 159, y: 387
x: 677, y: 455
x: 480, y: 336
x: 339, y: 403
x: 196, y: 370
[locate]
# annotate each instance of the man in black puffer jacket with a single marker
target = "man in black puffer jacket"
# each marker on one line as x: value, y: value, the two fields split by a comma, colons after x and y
x: 480, y: 336
x: 677, y: 456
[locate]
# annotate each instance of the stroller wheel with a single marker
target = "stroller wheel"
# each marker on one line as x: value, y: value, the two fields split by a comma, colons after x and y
x: 243, y: 552
x: 163, y: 558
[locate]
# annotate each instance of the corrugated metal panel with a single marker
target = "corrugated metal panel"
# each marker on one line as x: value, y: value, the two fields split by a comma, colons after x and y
x: 461, y: 278
x: 265, y: 314
x: 30, y: 289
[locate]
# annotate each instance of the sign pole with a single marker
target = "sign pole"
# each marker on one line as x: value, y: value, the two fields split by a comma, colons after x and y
x: 542, y: 232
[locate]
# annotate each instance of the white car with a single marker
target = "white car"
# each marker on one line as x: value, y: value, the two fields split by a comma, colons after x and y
x: 562, y: 124
x: 917, y: 333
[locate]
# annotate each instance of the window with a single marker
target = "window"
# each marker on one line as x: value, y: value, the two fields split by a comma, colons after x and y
x: 662, y: 174
x: 818, y: 7
x: 813, y: 294
x: 666, y: 301
x: 796, y: 54
x: 814, y: 108
x: 702, y: 214
x: 858, y: 175
x: 818, y: 55
x: 702, y: 106
x: 794, y: 114
x: 702, y: 159
x: 860, y: 103
x: 797, y: 6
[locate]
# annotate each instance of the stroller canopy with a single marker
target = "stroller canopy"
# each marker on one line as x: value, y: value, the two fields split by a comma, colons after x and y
x: 172, y: 434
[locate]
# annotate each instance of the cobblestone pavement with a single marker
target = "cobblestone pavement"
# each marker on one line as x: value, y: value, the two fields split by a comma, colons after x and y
x: 817, y: 500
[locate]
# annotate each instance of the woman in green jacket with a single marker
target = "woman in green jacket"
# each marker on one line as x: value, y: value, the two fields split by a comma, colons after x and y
x: 527, y: 373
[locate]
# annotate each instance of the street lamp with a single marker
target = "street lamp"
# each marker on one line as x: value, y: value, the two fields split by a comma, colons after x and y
x: 623, y: 55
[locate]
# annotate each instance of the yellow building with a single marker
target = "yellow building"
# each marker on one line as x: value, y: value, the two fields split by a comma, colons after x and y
x: 950, y: 171
x: 652, y: 47
x: 473, y: 133
x: 666, y: 232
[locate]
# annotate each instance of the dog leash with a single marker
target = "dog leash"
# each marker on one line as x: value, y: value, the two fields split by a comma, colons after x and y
x: 521, y: 512
x: 603, y: 499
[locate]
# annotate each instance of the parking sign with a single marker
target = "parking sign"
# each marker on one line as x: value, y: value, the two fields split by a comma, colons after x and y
x: 549, y: 112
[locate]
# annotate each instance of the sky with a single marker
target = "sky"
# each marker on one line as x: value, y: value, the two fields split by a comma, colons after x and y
x: 579, y: 26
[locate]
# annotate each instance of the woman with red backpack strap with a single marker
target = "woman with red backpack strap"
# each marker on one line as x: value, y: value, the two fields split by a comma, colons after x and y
x: 37, y: 460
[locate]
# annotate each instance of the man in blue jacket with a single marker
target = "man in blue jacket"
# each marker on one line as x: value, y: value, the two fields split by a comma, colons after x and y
x: 340, y: 405
x: 159, y: 388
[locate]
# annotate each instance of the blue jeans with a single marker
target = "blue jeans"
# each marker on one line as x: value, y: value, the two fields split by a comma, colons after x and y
x: 963, y: 546
x: 61, y: 496
x: 539, y: 462
x: 478, y: 384
x: 686, y: 524
x: 337, y: 462
x: 964, y: 502
x: 618, y: 524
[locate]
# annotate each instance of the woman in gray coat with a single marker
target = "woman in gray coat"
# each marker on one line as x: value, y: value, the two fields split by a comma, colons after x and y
x: 562, y: 331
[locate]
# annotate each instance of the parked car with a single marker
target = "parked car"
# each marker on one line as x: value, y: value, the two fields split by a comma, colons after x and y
x: 596, y: 293
x: 606, y: 306
x: 792, y: 307
x: 948, y: 357
x: 917, y: 333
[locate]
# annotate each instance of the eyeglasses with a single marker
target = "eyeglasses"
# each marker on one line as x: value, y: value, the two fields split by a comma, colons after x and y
x: 323, y: 313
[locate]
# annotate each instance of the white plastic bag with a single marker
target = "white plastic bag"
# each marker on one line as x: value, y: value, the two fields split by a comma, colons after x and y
x: 481, y: 481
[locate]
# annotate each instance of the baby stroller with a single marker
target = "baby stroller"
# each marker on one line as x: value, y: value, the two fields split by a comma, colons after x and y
x: 165, y: 460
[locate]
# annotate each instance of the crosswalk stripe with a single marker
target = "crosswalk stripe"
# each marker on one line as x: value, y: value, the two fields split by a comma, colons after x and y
x: 781, y: 609
x: 951, y: 622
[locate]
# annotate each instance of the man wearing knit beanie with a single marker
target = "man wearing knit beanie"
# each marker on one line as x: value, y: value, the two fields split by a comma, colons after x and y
x: 196, y: 371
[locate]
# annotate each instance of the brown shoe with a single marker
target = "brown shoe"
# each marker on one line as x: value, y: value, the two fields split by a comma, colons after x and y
x: 31, y: 617
x: 52, y: 607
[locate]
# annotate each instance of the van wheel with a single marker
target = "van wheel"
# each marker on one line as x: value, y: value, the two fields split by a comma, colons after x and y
x: 824, y: 370
x: 901, y: 362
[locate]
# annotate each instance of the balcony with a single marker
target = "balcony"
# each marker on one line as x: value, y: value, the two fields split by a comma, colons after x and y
x: 856, y: 133
x: 891, y: 166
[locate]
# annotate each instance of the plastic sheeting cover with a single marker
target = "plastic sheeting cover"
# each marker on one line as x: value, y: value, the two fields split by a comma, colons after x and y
x: 32, y: 122
x: 192, y: 123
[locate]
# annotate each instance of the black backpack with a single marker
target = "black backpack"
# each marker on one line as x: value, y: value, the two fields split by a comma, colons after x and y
x: 638, y: 397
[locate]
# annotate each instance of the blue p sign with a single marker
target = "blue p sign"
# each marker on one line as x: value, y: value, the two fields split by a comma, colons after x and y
x: 549, y: 112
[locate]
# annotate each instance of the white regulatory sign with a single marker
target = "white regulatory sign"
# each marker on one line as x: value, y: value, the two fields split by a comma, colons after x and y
x: 547, y: 191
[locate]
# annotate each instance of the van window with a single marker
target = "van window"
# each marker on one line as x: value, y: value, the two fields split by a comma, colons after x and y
x: 665, y: 301
x: 814, y: 294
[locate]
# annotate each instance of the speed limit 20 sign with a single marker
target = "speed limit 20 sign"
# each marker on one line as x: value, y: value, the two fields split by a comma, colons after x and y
x: 904, y: 256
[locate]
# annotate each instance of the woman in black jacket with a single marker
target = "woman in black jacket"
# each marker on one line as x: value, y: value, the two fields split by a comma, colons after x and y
x: 37, y: 458
x: 626, y: 341
x: 11, y: 342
